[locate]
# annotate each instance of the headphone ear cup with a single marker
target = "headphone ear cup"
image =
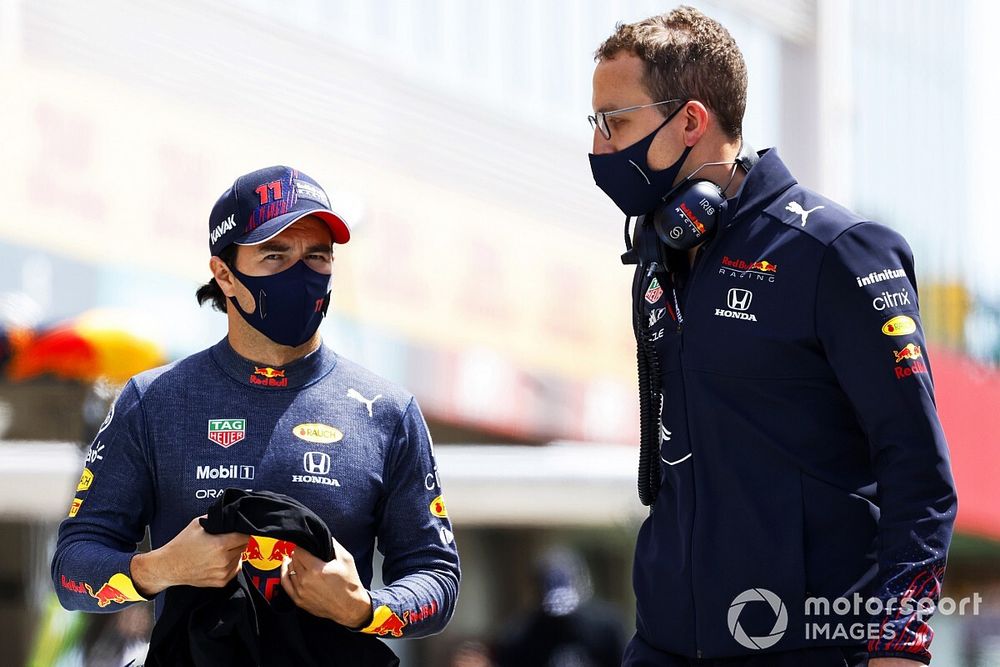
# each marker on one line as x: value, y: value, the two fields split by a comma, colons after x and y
x: 690, y: 216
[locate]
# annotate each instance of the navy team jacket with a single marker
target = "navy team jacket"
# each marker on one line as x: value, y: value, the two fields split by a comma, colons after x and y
x: 344, y: 442
x: 801, y: 451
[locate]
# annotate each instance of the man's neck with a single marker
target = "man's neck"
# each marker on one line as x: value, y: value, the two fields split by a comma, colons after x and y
x: 727, y: 175
x: 255, y: 346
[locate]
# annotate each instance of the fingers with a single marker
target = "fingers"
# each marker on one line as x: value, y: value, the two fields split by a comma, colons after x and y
x: 289, y: 581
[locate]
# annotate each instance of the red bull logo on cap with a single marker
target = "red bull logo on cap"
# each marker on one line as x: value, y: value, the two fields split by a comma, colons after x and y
x: 385, y: 622
x: 119, y: 589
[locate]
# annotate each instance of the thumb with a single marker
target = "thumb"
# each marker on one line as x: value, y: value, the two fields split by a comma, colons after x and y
x: 339, y: 551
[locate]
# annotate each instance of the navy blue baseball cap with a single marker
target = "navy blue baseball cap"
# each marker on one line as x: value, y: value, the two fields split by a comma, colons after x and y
x: 263, y: 203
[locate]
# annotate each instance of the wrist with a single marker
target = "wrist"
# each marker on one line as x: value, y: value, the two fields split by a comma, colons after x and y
x: 145, y: 574
x: 362, y: 611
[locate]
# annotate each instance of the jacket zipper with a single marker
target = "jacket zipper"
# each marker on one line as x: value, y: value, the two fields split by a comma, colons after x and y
x: 680, y: 321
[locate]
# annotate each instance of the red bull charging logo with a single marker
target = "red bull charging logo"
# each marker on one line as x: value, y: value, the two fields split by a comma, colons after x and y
x: 119, y: 589
x: 912, y: 354
x: 267, y: 553
x: 385, y: 622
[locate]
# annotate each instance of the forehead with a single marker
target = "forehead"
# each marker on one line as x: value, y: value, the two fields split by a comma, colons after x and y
x: 618, y: 82
x: 310, y: 229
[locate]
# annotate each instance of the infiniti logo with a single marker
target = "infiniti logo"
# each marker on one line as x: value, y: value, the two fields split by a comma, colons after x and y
x: 316, y: 463
x: 739, y: 299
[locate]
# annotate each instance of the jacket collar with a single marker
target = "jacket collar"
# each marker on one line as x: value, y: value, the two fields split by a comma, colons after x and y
x: 299, y: 373
x: 764, y: 182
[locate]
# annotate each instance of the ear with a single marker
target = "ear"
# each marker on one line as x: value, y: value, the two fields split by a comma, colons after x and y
x: 696, y: 120
x: 223, y: 276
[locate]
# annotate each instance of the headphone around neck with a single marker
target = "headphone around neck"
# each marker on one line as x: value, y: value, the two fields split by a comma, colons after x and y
x: 689, y: 213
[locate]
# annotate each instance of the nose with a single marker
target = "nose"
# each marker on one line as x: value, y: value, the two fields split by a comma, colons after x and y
x: 602, y: 146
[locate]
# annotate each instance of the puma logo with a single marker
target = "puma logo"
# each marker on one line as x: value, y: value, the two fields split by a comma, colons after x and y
x: 796, y: 208
x: 353, y: 393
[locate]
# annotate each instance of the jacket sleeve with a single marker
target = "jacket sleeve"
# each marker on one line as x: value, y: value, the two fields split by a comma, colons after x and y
x: 107, y: 518
x: 868, y: 322
x: 421, y: 565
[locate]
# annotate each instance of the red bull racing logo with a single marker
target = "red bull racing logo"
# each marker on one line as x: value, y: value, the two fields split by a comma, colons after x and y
x: 761, y: 269
x: 385, y: 622
x: 912, y: 354
x: 690, y: 217
x: 268, y: 377
x: 119, y: 589
x: 227, y: 432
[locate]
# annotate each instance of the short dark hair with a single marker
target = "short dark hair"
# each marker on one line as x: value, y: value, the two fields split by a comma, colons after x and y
x: 211, y: 291
x: 688, y: 56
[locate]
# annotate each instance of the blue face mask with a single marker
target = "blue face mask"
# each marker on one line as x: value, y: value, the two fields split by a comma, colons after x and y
x: 626, y: 177
x: 289, y: 305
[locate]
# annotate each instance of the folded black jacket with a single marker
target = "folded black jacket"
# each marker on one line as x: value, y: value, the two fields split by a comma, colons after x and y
x: 235, y: 626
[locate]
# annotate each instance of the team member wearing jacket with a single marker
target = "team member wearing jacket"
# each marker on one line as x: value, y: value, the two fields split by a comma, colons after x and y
x: 269, y: 407
x: 800, y: 455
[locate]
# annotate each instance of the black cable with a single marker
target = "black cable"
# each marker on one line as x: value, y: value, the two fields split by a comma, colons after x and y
x: 648, y: 367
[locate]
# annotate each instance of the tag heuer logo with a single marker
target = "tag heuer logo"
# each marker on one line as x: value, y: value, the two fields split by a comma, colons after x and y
x: 227, y: 432
x: 654, y: 292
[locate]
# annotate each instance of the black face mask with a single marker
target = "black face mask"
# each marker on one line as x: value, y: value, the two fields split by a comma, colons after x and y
x: 626, y: 177
x: 289, y: 305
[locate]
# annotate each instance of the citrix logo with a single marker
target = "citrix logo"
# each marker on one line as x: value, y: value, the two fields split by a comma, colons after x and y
x: 891, y: 300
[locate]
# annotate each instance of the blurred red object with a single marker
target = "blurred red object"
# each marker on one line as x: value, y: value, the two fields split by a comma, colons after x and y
x: 98, y: 344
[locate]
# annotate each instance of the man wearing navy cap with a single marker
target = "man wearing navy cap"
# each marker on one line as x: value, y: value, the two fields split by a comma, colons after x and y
x: 269, y: 407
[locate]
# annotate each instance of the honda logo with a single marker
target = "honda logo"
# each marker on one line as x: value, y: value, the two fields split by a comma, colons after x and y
x: 316, y: 463
x: 739, y: 299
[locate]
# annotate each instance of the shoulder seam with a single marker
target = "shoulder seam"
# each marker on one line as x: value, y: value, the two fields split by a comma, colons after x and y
x: 825, y: 244
x: 392, y: 438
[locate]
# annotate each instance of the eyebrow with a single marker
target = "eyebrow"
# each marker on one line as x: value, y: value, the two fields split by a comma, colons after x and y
x: 272, y: 246
x: 275, y: 246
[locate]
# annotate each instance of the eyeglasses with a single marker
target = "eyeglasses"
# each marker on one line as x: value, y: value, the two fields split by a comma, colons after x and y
x: 600, y: 119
